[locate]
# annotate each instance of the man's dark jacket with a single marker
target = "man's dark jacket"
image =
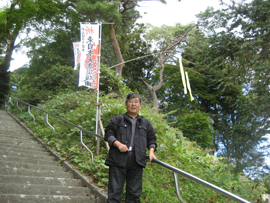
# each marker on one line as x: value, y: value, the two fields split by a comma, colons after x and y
x: 120, y: 128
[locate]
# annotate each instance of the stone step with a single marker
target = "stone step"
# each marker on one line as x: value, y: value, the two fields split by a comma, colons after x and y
x: 14, y: 128
x: 30, y: 155
x: 12, y: 198
x: 21, y: 147
x: 40, y: 151
x: 33, y: 172
x: 9, y: 123
x: 15, y: 134
x: 40, y: 180
x: 33, y: 189
x: 29, y: 171
x: 20, y: 142
x: 16, y: 140
x: 23, y: 165
x: 32, y: 160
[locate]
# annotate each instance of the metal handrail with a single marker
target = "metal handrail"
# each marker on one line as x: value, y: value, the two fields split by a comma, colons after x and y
x: 48, y: 113
x: 174, y: 169
x: 200, y: 181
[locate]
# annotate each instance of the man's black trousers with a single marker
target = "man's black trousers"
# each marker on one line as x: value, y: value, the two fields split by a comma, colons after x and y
x: 132, y: 174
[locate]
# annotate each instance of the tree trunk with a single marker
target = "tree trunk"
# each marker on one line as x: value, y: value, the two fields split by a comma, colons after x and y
x: 152, y: 91
x: 4, y: 66
x: 117, y: 51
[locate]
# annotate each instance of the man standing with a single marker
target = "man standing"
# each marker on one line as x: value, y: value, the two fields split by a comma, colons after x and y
x: 128, y: 135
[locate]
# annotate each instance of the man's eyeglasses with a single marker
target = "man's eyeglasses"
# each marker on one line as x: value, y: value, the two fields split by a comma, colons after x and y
x: 133, y: 101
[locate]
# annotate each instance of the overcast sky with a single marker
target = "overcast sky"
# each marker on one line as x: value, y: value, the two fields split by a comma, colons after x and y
x: 174, y: 12
x: 152, y: 12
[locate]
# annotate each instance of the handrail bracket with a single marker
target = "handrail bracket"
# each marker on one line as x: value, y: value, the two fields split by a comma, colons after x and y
x: 86, y: 146
x: 17, y: 103
x: 48, y: 122
x: 177, y: 187
x: 30, y: 113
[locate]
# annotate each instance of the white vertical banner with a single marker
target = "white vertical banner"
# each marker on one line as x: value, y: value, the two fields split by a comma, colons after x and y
x: 90, y: 55
x: 77, y: 54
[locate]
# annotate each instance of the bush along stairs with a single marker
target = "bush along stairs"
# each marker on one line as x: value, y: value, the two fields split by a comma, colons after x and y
x: 29, y: 171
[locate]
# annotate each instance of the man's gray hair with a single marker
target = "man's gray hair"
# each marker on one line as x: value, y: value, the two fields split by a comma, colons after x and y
x: 133, y: 95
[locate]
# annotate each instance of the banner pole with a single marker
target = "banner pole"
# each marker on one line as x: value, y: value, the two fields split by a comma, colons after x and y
x: 98, y: 113
x: 100, y: 26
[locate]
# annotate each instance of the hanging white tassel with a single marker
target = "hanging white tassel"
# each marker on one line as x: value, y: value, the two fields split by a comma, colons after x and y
x: 182, y: 73
x: 188, y: 86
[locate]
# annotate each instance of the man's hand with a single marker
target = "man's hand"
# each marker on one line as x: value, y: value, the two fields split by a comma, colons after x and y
x: 151, y: 154
x: 120, y: 146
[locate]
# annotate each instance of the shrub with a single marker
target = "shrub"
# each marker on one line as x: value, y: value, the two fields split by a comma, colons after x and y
x: 197, y: 126
x: 34, y: 89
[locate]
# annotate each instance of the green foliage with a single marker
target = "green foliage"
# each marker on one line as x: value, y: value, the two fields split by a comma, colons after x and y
x: 107, y: 51
x: 173, y: 148
x: 240, y: 79
x: 133, y: 46
x: 160, y: 35
x: 58, y: 50
x: 109, y: 81
x: 196, y: 126
x: 229, y: 80
x: 266, y: 181
x: 97, y: 10
x: 50, y: 20
x: 50, y: 82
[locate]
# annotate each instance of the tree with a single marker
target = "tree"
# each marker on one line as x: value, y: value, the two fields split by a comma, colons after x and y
x: 142, y: 59
x: 229, y: 80
x: 24, y: 17
x: 46, y: 53
x: 246, y: 28
x: 121, y: 13
x: 12, y: 21
x: 167, y: 54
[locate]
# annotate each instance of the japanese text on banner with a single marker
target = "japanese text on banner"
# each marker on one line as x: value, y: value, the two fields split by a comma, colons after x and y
x: 89, y: 66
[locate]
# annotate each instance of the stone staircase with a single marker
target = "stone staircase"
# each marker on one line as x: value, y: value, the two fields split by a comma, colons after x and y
x: 29, y: 171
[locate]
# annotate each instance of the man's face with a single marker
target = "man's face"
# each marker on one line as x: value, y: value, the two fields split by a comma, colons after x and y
x: 133, y: 106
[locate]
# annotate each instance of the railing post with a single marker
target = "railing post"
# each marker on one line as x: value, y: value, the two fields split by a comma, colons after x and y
x: 17, y: 103
x: 98, y: 126
x: 177, y: 187
x: 30, y: 113
x: 48, y: 122
x: 86, y: 146
x: 10, y: 101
